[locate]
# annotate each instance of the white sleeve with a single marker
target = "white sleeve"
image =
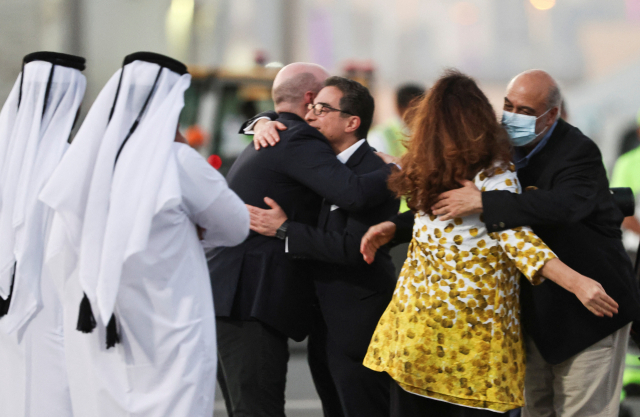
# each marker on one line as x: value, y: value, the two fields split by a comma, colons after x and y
x: 209, y: 201
x: 525, y: 249
x: 502, y: 180
x: 249, y: 129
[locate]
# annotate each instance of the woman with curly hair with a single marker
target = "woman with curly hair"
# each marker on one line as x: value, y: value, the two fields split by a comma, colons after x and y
x: 451, y: 337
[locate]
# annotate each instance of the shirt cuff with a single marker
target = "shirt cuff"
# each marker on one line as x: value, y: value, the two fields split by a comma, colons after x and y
x: 249, y: 129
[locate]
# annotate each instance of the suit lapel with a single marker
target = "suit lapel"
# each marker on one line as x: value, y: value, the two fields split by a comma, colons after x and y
x: 531, y: 174
x: 352, y: 162
x: 358, y: 155
x: 554, y: 141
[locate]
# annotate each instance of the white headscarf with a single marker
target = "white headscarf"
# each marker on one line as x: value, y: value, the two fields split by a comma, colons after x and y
x: 106, y: 208
x: 31, y: 145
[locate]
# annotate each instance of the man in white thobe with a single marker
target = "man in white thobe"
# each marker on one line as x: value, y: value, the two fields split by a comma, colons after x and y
x: 128, y: 201
x: 35, y: 125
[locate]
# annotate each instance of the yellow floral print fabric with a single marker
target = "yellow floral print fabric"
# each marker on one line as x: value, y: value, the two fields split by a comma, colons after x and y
x: 452, y: 330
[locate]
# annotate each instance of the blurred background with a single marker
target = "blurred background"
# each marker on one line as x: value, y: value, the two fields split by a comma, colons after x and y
x: 591, y: 46
x: 235, y: 47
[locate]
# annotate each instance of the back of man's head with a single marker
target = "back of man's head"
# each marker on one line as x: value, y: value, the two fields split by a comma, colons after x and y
x: 355, y: 100
x: 296, y: 85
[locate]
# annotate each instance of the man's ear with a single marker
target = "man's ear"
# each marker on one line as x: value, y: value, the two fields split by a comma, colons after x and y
x: 353, y: 124
x: 309, y: 96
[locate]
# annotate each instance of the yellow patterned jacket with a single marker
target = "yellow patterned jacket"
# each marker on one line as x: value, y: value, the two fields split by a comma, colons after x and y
x: 452, y: 330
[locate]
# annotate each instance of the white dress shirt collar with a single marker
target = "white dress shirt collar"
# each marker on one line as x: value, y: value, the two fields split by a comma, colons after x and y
x: 346, y: 154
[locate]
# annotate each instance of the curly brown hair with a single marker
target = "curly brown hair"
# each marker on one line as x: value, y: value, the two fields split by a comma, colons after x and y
x: 454, y: 135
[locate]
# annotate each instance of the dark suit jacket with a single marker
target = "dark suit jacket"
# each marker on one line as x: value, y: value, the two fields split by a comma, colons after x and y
x: 256, y: 279
x: 352, y: 294
x: 566, y: 200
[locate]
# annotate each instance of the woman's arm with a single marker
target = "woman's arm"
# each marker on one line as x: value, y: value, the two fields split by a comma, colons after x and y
x: 589, y: 292
x: 536, y: 260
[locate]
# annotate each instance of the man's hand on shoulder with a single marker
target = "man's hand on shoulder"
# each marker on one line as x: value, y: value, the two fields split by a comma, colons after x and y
x: 266, y: 133
x: 388, y: 159
x: 266, y: 222
x: 458, y: 203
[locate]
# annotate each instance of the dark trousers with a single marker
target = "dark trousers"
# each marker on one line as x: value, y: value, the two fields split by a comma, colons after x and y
x: 345, y: 386
x: 253, y: 368
x: 320, y: 373
x: 406, y: 404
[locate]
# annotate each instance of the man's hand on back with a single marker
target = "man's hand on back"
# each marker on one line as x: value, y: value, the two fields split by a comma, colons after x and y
x: 266, y: 133
x: 458, y: 203
x: 266, y: 222
x: 377, y: 235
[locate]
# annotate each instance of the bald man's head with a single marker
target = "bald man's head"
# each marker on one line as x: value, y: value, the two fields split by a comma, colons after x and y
x: 538, y: 86
x: 297, y: 84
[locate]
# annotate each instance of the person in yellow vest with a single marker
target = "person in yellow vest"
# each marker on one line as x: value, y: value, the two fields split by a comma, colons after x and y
x: 388, y: 137
x: 626, y: 173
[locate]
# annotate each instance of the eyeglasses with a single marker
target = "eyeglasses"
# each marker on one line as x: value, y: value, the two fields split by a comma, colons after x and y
x: 321, y: 109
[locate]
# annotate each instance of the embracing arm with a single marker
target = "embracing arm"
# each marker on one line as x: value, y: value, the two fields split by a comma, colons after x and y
x: 536, y: 260
x: 572, y: 197
x: 249, y: 124
x: 310, y: 242
x: 311, y: 161
x: 264, y: 128
x: 589, y: 292
x: 335, y: 247
x: 338, y: 247
x: 398, y: 229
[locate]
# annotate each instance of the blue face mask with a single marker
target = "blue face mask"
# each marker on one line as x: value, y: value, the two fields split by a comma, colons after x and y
x: 521, y: 127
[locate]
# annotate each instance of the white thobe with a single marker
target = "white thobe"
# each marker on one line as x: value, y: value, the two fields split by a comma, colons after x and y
x: 34, y: 359
x: 165, y: 365
x: 33, y: 379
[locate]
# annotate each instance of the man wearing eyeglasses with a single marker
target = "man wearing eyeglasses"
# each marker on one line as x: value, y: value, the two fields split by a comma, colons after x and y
x: 352, y: 295
x: 262, y: 296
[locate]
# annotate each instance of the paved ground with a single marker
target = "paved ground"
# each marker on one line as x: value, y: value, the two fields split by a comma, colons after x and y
x: 302, y: 401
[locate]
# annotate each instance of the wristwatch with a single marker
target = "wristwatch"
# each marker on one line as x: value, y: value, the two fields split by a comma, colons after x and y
x: 281, y: 233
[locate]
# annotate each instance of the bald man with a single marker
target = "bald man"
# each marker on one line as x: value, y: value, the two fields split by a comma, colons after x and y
x: 262, y: 297
x: 575, y: 359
